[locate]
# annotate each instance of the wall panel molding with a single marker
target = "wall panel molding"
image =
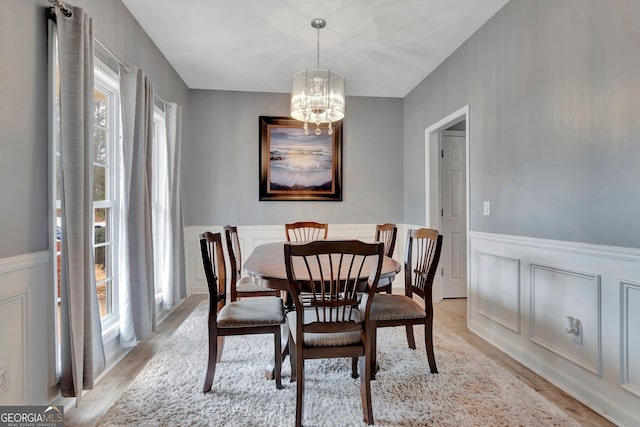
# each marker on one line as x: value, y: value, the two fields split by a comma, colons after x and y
x: 558, y: 292
x: 630, y: 339
x: 15, y: 318
x: 498, y: 288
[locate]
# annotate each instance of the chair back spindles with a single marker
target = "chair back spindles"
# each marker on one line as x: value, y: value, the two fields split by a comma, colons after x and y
x: 241, y: 287
x: 306, y: 231
x: 421, y: 261
x: 214, y: 268
x: 325, y: 277
x: 386, y: 233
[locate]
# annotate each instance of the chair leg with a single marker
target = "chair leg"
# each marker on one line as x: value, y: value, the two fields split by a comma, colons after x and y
x: 372, y: 336
x: 410, y: 339
x: 365, y: 387
x: 299, y: 386
x: 428, y: 343
x: 292, y: 358
x: 211, y: 362
x: 278, y: 356
x: 354, y: 367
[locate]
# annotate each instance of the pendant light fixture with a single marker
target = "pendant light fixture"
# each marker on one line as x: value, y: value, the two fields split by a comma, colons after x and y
x: 318, y: 94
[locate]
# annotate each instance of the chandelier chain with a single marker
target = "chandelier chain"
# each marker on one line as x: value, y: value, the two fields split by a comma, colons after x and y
x: 318, y: 48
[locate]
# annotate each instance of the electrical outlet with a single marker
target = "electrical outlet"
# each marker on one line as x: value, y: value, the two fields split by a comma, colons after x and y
x: 577, y: 337
x: 4, y: 378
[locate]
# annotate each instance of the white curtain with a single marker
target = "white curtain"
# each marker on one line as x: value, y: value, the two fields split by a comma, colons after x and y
x: 137, y: 302
x: 175, y: 289
x: 82, y: 352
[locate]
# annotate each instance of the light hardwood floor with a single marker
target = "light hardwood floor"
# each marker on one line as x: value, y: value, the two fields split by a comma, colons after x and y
x: 451, y: 313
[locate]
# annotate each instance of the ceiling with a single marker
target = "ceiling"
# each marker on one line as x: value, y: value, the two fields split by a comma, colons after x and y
x: 383, y: 47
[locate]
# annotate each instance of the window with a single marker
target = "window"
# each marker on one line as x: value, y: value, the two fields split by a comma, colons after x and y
x: 54, y: 172
x: 107, y: 136
x: 160, y: 205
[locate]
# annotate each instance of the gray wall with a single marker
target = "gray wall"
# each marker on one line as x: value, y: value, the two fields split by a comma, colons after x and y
x: 221, y: 162
x: 553, y: 89
x: 23, y: 107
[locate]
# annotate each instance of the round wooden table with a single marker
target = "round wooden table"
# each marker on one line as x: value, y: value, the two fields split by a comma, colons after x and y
x: 266, y: 263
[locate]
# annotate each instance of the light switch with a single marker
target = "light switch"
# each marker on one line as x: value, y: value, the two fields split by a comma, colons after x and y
x: 487, y: 207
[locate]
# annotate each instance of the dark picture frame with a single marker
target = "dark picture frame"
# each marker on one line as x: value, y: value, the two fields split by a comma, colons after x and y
x: 295, y: 166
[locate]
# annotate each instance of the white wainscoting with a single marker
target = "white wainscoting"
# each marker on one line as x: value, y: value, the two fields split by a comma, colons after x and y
x: 26, y: 334
x: 522, y: 288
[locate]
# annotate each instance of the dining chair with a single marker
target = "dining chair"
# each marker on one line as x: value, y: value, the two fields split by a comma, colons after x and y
x: 250, y: 316
x: 306, y: 231
x: 239, y: 286
x: 386, y: 233
x: 421, y: 262
x: 328, y: 320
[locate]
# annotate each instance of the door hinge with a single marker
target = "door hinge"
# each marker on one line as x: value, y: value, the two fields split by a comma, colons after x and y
x: 442, y: 154
x: 442, y: 271
x: 442, y: 212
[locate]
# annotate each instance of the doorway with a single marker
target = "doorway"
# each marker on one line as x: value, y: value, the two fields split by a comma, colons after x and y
x: 447, y: 200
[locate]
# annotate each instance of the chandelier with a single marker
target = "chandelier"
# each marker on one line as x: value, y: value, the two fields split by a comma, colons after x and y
x: 318, y: 94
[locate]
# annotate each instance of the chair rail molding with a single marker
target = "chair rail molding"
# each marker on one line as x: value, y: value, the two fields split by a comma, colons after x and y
x: 536, y: 283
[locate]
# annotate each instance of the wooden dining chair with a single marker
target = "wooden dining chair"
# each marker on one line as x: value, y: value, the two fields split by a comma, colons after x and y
x: 250, y: 316
x: 386, y: 233
x: 239, y: 286
x: 328, y: 321
x: 306, y: 231
x: 421, y: 262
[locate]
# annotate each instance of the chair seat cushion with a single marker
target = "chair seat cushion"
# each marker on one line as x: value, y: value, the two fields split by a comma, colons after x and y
x: 246, y: 284
x: 395, y: 307
x: 252, y: 312
x: 324, y: 339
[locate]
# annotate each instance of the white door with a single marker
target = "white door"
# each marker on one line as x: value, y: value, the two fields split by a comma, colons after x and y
x: 453, y: 259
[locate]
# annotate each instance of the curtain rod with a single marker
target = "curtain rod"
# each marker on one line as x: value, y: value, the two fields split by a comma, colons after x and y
x: 124, y: 65
x: 66, y: 11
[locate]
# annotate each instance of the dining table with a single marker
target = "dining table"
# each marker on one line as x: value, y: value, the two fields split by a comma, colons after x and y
x: 266, y: 266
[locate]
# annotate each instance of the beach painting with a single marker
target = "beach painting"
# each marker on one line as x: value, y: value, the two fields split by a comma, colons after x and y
x: 295, y: 166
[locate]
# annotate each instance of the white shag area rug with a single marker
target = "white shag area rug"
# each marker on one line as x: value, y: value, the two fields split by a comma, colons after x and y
x: 469, y: 390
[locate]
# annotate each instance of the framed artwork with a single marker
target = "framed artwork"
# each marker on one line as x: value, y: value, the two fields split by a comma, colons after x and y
x: 295, y: 166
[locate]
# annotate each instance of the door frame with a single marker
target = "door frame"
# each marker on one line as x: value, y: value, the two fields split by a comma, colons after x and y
x: 432, y: 184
